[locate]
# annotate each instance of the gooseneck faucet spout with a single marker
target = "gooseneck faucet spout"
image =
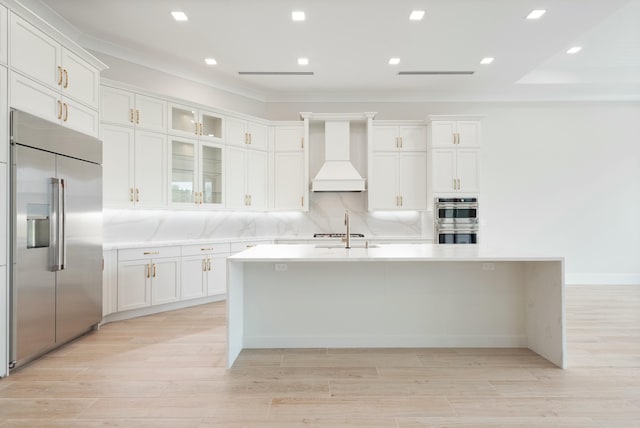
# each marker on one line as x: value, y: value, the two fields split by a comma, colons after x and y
x: 347, y: 238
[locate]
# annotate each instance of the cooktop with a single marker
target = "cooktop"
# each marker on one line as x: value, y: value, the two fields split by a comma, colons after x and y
x: 337, y: 235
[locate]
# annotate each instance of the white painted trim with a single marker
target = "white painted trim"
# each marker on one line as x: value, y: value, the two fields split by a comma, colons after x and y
x: 395, y: 341
x: 603, y: 279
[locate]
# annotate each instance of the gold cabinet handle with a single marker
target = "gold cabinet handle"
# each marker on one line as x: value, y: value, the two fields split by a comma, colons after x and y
x: 397, y: 143
x: 302, y: 142
x: 66, y: 111
x: 131, y: 115
x: 146, y: 253
x: 59, y: 76
x: 137, y: 116
x: 59, y: 109
x: 208, y: 264
x: 137, y: 195
x: 66, y: 79
x: 197, y: 128
x: 302, y: 201
x: 250, y: 138
x: 155, y: 267
x: 206, y: 249
x: 249, y: 200
x: 400, y: 142
x: 130, y: 194
x: 204, y: 265
x: 459, y: 187
x: 149, y: 271
x: 401, y: 196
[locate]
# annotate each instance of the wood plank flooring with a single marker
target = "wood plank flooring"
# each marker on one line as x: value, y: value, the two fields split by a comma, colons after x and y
x: 168, y: 370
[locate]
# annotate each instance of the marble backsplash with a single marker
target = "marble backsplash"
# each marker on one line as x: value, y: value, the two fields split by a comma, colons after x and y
x: 326, y: 215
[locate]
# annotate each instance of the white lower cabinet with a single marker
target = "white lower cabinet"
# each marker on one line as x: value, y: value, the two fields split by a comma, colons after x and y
x: 4, y: 352
x: 109, y: 282
x: 146, y: 278
x: 204, y: 270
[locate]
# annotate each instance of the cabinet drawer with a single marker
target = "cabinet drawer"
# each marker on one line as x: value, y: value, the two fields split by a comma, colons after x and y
x: 196, y: 250
x: 148, y: 253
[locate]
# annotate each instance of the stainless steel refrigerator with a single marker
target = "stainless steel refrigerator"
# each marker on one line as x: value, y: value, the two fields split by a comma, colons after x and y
x: 56, y: 234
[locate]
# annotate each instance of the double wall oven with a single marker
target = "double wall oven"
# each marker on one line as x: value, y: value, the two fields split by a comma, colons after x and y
x: 456, y: 220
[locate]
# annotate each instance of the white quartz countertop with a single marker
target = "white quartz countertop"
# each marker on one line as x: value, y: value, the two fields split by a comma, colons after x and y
x: 390, y: 252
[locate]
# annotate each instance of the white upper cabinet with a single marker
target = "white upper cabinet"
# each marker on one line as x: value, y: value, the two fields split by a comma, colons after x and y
x: 450, y: 133
x: 3, y: 35
x: 43, y: 59
x: 246, y: 133
x: 246, y: 179
x: 127, y: 108
x: 410, y: 138
x: 191, y: 122
x: 4, y: 114
x: 290, y: 173
x: 455, y: 170
x: 289, y: 138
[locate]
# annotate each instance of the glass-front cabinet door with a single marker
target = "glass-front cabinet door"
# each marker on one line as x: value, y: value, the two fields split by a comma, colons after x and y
x: 211, y: 126
x: 183, y: 164
x: 183, y: 120
x: 211, y: 174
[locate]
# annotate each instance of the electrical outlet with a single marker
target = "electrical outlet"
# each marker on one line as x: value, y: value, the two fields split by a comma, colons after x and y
x: 488, y: 266
x: 280, y: 267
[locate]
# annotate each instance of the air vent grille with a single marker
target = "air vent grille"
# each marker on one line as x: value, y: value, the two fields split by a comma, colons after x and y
x: 276, y: 73
x: 434, y: 73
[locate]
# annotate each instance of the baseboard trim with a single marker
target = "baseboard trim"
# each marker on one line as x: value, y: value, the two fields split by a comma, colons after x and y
x: 134, y: 313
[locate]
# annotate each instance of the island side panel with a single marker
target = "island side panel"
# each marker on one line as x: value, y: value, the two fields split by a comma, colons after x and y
x: 384, y: 304
x: 235, y: 310
x: 546, y: 330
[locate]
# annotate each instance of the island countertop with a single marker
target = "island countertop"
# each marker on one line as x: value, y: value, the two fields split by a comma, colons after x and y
x: 388, y: 252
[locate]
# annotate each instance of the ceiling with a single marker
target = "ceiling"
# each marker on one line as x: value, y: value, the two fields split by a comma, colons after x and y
x: 349, y: 43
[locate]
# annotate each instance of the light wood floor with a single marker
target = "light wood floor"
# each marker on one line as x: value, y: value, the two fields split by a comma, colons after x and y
x: 167, y: 370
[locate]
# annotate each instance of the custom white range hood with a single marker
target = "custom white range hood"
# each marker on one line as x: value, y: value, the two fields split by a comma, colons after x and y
x: 338, y: 174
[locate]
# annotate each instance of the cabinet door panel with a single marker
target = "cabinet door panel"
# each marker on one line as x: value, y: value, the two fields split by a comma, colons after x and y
x: 212, y: 126
x: 133, y: 285
x: 3, y: 40
x: 183, y: 120
x: 193, y: 274
x: 412, y: 176
x: 442, y: 133
x: 257, y: 181
x: 165, y: 281
x: 235, y: 177
x: 32, y: 97
x: 217, y: 276
x: 414, y: 138
x: 211, y: 173
x: 385, y: 138
x: 117, y: 106
x: 34, y: 53
x: 183, y: 169
x: 117, y: 166
x: 289, y: 181
x: 288, y: 138
x: 150, y: 168
x: 443, y: 169
x: 469, y: 131
x: 79, y: 117
x: 4, y: 113
x: 383, y: 187
x: 81, y: 80
x: 468, y: 170
x: 151, y: 113
x: 257, y: 135
x: 236, y: 132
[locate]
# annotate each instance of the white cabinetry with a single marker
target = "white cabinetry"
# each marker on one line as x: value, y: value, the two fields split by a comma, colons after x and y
x: 148, y: 277
x: 204, y: 270
x: 4, y: 352
x: 109, y: 282
x: 121, y: 107
x: 4, y: 197
x: 454, y: 155
x: 191, y: 122
x: 197, y: 172
x: 3, y: 35
x: 291, y: 191
x: 245, y: 133
x: 246, y: 178
x: 4, y: 116
x: 134, y: 167
x: 398, y: 167
x: 46, y: 61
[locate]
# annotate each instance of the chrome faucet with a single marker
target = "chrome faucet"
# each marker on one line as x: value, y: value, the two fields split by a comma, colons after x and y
x: 347, y: 238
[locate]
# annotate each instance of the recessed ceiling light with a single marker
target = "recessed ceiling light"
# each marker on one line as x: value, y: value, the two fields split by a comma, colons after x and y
x: 394, y: 61
x: 210, y: 61
x: 298, y: 15
x: 179, y: 16
x: 416, y: 15
x: 574, y: 50
x: 303, y: 61
x: 536, y: 14
x: 487, y: 60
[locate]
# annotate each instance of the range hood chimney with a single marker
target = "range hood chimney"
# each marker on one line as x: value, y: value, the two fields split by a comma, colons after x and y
x: 337, y: 174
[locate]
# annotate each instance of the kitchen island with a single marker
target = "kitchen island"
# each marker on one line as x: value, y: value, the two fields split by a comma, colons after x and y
x: 303, y: 296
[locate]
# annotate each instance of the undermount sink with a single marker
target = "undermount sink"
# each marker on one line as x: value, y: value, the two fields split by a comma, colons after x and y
x: 332, y: 246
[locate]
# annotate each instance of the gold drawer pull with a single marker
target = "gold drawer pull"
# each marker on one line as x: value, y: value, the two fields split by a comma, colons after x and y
x: 146, y: 253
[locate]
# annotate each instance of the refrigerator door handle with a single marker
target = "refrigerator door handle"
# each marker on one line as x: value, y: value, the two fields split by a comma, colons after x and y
x: 63, y: 224
x: 57, y: 249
